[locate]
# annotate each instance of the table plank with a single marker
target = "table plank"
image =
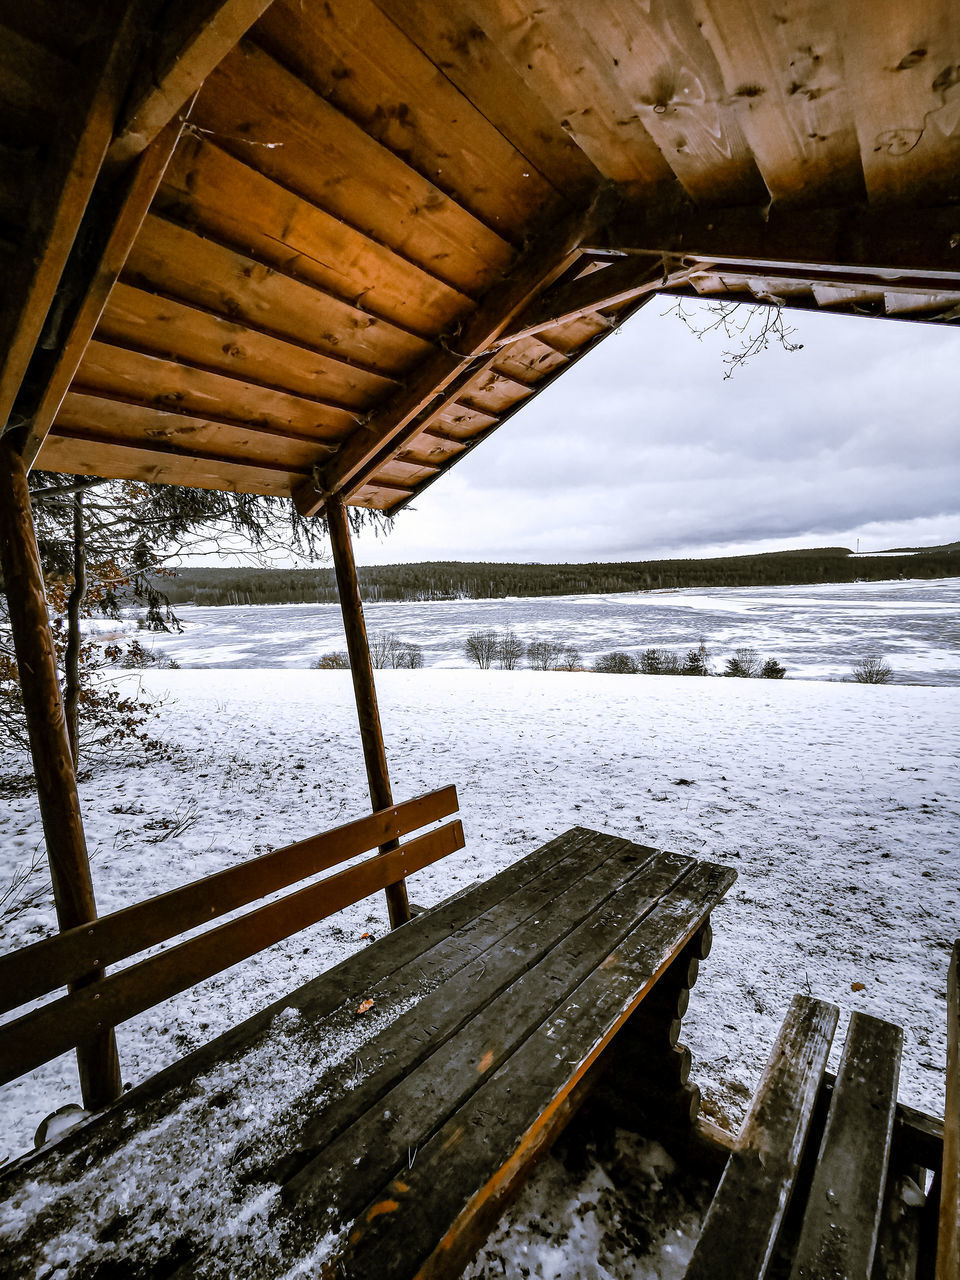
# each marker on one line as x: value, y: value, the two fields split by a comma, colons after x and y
x: 428, y: 1218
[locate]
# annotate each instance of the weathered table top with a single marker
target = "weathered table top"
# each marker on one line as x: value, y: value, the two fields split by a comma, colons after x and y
x: 346, y: 1128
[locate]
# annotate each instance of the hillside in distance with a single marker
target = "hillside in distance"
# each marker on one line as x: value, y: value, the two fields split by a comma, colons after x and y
x: 452, y: 579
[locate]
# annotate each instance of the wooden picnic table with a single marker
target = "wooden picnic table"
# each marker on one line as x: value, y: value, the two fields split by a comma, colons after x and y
x: 374, y: 1122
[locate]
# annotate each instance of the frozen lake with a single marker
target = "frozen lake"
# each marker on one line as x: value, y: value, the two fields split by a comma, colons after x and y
x: 817, y: 632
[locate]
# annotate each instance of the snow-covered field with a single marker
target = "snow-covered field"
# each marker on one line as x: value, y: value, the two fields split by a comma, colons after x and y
x: 837, y: 804
x: 817, y: 632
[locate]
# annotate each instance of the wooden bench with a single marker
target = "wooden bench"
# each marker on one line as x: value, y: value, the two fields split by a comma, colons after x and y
x: 375, y: 1122
x: 77, y: 958
x: 815, y: 1186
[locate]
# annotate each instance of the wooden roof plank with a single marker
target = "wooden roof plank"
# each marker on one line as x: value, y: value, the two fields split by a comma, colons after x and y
x: 466, y: 55
x: 547, y: 51
x: 149, y: 379
x: 195, y: 37
x: 529, y: 360
x: 88, y: 456
x: 139, y: 423
x: 115, y: 227
x: 214, y: 191
x: 194, y: 268
x: 252, y: 106
x: 784, y: 82
x: 658, y: 71
x: 902, y: 68
x: 136, y: 309
x: 139, y: 429
x: 353, y: 55
x: 166, y: 328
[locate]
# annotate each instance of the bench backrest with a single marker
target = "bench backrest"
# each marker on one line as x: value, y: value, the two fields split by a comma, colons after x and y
x: 77, y: 957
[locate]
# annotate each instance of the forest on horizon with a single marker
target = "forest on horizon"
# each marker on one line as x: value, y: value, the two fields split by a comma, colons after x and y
x: 451, y: 580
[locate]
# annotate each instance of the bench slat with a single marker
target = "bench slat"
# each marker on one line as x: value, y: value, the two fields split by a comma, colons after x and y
x: 744, y: 1218
x: 466, y: 1169
x: 842, y: 1219
x: 43, y: 967
x: 948, y: 1240
x: 58, y: 1026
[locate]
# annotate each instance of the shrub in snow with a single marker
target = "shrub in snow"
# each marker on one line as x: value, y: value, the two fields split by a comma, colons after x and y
x: 332, y: 662
x: 659, y: 662
x: 872, y: 671
x: 545, y: 655
x: 618, y: 664
x: 570, y: 660
x: 772, y: 670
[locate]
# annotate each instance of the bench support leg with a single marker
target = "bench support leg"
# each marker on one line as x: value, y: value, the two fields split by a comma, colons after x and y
x: 364, y: 689
x: 56, y: 778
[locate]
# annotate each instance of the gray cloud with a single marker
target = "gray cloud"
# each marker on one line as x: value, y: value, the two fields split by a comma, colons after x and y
x: 643, y: 449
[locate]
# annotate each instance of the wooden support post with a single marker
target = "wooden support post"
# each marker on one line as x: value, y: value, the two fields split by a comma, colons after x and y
x: 52, y: 760
x: 368, y: 713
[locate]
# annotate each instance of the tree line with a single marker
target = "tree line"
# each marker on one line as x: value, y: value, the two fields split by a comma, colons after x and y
x: 452, y: 580
x: 506, y: 650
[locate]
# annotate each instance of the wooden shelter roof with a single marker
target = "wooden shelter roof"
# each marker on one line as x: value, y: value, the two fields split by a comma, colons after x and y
x: 327, y: 246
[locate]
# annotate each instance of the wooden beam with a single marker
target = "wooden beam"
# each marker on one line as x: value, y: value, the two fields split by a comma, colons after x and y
x: 876, y: 241
x: 948, y: 1243
x: 365, y: 692
x: 197, y: 35
x: 625, y: 279
x: 113, y: 226
x: 463, y: 353
x: 52, y: 761
x: 830, y: 277
x: 64, y: 185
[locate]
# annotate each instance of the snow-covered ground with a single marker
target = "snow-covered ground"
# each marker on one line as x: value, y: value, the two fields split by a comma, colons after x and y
x: 837, y: 804
x: 818, y: 632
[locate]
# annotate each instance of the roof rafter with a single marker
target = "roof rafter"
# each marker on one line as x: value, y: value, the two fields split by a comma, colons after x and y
x: 196, y: 36
x: 87, y: 280
x: 63, y: 190
x: 440, y: 378
x: 623, y: 280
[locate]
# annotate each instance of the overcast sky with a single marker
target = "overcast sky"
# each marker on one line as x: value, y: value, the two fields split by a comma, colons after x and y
x: 643, y: 450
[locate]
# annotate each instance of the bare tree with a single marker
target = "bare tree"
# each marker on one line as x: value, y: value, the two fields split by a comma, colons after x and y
x: 481, y: 647
x: 570, y: 660
x: 510, y: 650
x: 745, y: 664
x: 545, y: 655
x: 750, y: 327
x: 872, y: 670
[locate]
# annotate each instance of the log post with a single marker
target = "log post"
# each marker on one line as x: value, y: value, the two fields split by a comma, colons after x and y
x: 54, y: 771
x: 364, y: 689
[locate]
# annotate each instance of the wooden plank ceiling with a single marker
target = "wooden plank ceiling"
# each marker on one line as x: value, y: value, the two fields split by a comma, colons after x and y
x: 381, y: 226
